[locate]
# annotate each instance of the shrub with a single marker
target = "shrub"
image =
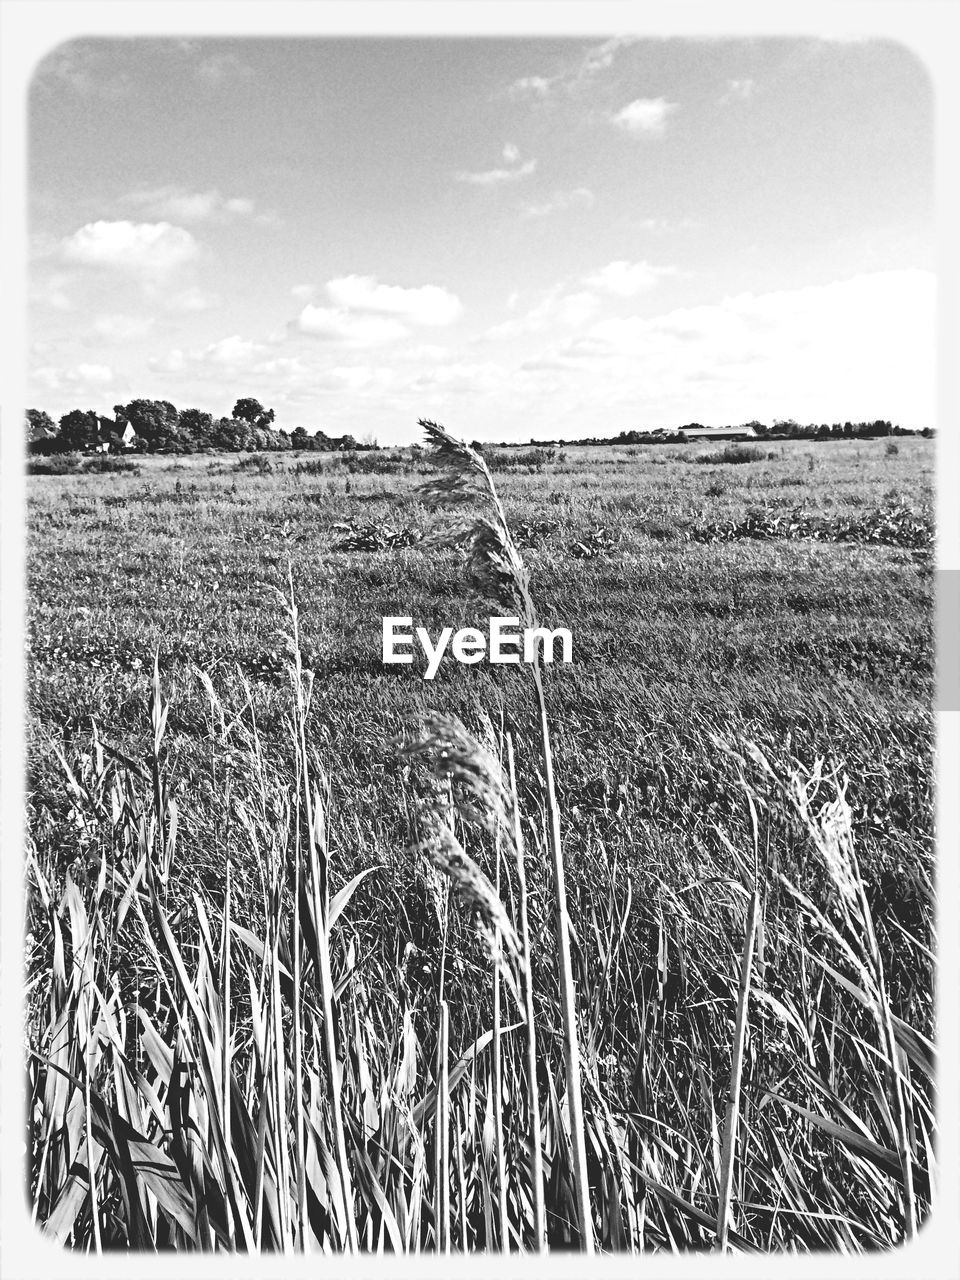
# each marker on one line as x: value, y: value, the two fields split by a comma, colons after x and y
x: 535, y: 458
x: 255, y: 462
x: 58, y: 464
x: 733, y: 453
x: 107, y: 463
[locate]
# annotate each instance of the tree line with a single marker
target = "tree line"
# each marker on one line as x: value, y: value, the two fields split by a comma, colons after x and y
x: 157, y: 426
x: 782, y: 429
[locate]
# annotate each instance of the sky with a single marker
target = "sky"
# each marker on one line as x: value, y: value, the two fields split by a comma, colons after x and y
x: 521, y: 238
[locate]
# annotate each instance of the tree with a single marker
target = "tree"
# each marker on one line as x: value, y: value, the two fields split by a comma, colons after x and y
x: 39, y: 420
x: 155, y: 421
x: 79, y: 429
x: 232, y: 434
x: 252, y: 411
x: 196, y: 428
x: 300, y: 438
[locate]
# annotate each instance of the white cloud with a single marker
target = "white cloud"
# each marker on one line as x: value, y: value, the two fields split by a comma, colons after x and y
x: 52, y: 292
x: 428, y: 305
x: 180, y: 205
x: 644, y: 117
x: 122, y: 328
x: 302, y: 291
x: 494, y: 177
x: 350, y: 329
x: 193, y: 299
x: 230, y: 351
x: 79, y: 378
x: 84, y: 67
x: 227, y: 355
x: 217, y: 67
x: 533, y: 86
x: 601, y: 56
x: 173, y: 362
x: 558, y: 306
x: 282, y: 366
x: 581, y: 197
x: 596, y: 58
x: 858, y: 348
x: 461, y: 377
x: 152, y: 250
x: 627, y: 279
x: 738, y: 91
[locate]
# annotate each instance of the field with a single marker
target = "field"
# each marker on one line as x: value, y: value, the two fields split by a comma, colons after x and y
x: 742, y: 751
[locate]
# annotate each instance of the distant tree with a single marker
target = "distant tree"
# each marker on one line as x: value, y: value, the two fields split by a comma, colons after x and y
x: 38, y: 420
x: 252, y: 411
x: 232, y: 434
x: 299, y: 438
x: 155, y: 421
x: 78, y: 429
x: 196, y: 429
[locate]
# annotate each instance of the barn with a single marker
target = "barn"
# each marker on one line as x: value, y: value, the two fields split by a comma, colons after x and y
x: 696, y: 432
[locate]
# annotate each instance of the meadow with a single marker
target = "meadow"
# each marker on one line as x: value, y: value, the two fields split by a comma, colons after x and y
x: 260, y: 1004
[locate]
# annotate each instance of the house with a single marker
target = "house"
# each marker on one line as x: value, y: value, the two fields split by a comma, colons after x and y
x: 111, y: 436
x: 696, y: 432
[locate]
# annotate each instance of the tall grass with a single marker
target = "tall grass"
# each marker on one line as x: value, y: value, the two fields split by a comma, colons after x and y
x: 255, y: 1068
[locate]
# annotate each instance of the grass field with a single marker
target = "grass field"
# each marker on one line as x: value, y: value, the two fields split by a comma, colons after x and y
x: 690, y: 642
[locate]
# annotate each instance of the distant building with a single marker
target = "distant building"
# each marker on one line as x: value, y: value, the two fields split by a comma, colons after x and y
x: 696, y: 432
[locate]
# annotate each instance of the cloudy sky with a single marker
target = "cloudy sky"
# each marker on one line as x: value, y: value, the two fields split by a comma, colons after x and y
x: 544, y: 237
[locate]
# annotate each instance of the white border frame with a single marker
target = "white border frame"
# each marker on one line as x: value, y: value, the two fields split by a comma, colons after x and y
x: 31, y: 28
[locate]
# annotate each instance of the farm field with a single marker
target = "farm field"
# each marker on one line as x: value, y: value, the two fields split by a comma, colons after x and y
x: 692, y: 639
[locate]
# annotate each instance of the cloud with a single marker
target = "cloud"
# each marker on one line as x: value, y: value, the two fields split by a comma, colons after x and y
x: 80, y: 378
x: 151, y: 250
x: 349, y: 329
x: 627, y: 279
x: 427, y: 305
x: 644, y: 117
x: 180, y: 205
x: 596, y: 58
x: 282, y: 366
x: 52, y: 292
x: 854, y: 348
x: 303, y: 291
x: 366, y: 313
x: 738, y: 91
x: 174, y: 361
x: 193, y: 299
x: 601, y: 56
x: 122, y: 328
x: 460, y: 377
x: 494, y: 177
x: 558, y: 306
x: 225, y: 356
x: 218, y: 67
x: 230, y: 351
x: 531, y: 86
x: 80, y: 66
x: 579, y: 197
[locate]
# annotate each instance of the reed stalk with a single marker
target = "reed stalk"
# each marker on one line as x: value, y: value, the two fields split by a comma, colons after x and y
x: 536, y: 1151
x: 732, y: 1120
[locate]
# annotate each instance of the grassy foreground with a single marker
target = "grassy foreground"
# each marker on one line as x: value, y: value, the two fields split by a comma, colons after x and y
x: 260, y: 1011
